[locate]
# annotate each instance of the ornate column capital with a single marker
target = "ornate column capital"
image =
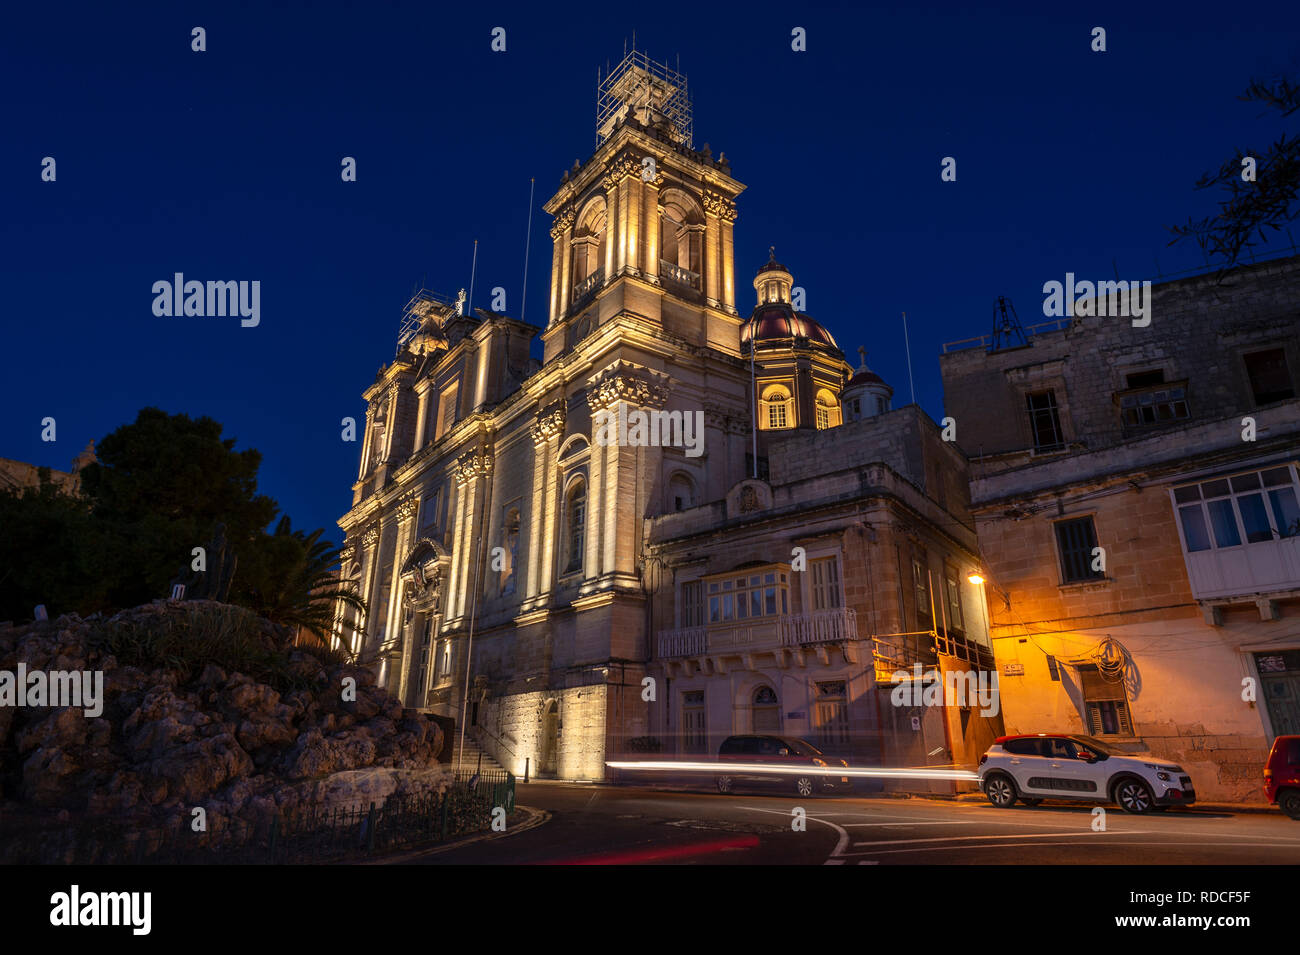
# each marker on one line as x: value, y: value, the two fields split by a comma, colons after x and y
x: 624, y: 381
x: 563, y: 222
x: 370, y: 536
x: 719, y: 206
x: 473, y: 464
x: 550, y: 422
x: 407, y: 506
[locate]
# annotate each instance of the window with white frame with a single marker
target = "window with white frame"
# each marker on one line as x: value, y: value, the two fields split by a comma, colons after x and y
x: 748, y: 594
x: 1247, y: 508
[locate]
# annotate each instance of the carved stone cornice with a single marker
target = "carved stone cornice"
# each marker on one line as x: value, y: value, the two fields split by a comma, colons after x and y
x: 563, y: 222
x: 719, y: 206
x: 407, y: 506
x: 623, y: 381
x: 347, y: 552
x: 550, y: 422
x: 621, y: 167
x: 473, y: 464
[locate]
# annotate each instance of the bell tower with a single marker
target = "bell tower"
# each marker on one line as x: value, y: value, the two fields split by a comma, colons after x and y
x: 644, y: 227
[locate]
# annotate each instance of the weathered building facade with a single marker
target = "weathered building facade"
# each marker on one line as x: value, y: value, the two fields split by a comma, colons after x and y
x: 1135, y: 489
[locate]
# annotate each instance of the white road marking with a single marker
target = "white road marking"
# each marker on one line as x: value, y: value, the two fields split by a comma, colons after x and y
x: 1044, y: 835
x: 906, y: 825
x: 840, y: 846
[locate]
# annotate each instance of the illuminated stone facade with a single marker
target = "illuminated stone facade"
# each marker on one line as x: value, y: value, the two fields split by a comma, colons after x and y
x: 488, y: 512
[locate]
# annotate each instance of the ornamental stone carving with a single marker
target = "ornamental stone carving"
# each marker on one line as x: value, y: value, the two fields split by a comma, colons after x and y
x: 563, y: 222
x: 719, y: 206
x: 370, y: 536
x: 550, y: 422
x: 473, y: 464
x: 623, y: 381
x: 407, y: 507
x: 422, y: 574
x: 625, y: 165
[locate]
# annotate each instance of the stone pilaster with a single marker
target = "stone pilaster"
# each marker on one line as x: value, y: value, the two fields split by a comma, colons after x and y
x: 547, y: 432
x: 561, y: 233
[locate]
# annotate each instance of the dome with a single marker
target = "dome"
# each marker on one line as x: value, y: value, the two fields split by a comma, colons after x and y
x: 778, y: 322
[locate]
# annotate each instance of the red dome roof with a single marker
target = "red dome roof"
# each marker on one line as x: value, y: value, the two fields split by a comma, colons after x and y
x: 776, y: 321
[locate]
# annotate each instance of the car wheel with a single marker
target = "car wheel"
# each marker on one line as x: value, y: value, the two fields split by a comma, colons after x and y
x: 724, y: 784
x: 803, y: 786
x: 1000, y: 790
x: 1289, y: 802
x: 1031, y: 801
x: 1133, y: 795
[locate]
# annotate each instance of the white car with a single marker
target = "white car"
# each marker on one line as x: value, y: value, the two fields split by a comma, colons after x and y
x: 1044, y: 766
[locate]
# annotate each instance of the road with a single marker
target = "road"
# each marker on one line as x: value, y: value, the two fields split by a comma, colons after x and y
x: 640, y: 825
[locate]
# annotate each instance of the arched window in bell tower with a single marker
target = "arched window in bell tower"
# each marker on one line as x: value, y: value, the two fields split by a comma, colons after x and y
x: 681, y: 238
x: 588, y: 246
x: 828, y: 409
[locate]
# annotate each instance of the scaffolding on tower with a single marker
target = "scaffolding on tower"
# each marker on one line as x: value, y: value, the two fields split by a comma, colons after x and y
x: 417, y: 310
x: 658, y: 93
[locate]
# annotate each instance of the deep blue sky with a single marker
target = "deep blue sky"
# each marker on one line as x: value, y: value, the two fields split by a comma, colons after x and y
x: 225, y: 165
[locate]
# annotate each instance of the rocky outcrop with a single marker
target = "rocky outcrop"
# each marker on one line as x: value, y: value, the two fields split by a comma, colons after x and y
x: 168, y: 740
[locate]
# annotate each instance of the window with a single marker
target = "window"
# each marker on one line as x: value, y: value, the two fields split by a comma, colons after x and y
x: 694, y: 725
x: 681, y: 493
x: 444, y: 660
x: 827, y: 409
x: 1270, y: 379
x: 1254, y: 507
x: 1024, y: 747
x: 776, y: 408
x: 1053, y: 670
x: 1141, y: 379
x: 429, y: 511
x: 1075, y: 541
x: 447, y: 410
x: 1105, y: 704
x: 575, y: 527
x: 767, y: 711
x: 831, y: 715
x: 954, y: 603
x: 855, y: 409
x: 921, y: 589
x: 1044, y: 421
x: 1153, y: 403
x: 882, y: 405
x: 825, y: 583
x: 692, y: 605
x: 747, y: 594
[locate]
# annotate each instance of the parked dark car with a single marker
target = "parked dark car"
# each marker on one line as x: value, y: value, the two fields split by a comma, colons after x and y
x: 779, y: 752
x: 1282, y: 775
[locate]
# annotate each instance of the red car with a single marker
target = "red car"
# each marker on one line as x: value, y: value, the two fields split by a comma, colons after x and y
x: 1282, y: 775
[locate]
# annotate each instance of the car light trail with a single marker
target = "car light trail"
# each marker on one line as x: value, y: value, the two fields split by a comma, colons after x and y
x: 734, y: 769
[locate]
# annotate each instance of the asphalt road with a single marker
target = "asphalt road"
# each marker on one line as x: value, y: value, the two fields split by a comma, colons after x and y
x: 638, y: 825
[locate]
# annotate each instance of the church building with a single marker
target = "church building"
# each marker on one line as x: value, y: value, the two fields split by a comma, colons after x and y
x: 571, y: 600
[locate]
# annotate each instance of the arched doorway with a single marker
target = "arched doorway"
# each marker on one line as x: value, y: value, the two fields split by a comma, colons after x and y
x: 550, y: 740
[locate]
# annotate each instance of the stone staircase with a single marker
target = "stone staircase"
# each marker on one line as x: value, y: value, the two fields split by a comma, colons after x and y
x: 469, y: 759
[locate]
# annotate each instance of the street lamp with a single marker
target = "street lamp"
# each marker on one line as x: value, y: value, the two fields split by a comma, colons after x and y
x: 975, y: 577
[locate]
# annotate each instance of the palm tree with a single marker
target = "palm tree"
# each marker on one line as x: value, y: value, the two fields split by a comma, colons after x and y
x: 295, y: 583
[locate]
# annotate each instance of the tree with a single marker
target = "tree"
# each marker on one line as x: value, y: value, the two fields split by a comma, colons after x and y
x: 1252, y: 207
x: 51, y: 552
x: 159, y: 489
x: 292, y: 580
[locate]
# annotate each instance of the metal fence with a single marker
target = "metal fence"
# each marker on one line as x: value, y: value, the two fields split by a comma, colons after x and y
x: 313, y: 834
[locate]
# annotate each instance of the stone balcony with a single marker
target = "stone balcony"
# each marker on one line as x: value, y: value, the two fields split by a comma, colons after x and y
x: 780, y: 636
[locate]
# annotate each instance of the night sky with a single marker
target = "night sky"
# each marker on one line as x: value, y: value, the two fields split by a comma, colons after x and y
x: 225, y: 165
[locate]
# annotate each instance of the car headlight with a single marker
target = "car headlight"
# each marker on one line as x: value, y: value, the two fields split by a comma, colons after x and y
x: 819, y: 762
x: 1163, y: 777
